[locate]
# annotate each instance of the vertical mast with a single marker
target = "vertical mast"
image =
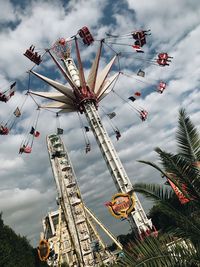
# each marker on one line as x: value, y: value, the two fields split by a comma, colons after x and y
x: 138, y: 218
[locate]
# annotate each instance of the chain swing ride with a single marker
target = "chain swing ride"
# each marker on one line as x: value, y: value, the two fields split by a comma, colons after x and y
x: 83, y: 96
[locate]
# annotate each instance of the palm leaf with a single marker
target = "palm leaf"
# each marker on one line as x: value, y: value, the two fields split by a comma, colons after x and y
x: 153, y: 165
x: 183, y: 220
x: 188, y: 138
x: 185, y: 172
x: 164, y: 251
x: 154, y: 191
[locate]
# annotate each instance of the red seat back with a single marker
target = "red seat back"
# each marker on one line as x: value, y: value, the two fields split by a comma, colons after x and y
x: 27, y: 149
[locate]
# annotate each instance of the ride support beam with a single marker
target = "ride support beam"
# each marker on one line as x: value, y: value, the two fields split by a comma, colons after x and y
x: 71, y: 202
x: 138, y: 219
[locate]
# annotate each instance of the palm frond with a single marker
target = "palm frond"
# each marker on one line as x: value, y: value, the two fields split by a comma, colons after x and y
x: 184, y: 221
x: 152, y: 164
x: 165, y: 251
x: 188, y: 138
x: 154, y: 191
x: 185, y: 172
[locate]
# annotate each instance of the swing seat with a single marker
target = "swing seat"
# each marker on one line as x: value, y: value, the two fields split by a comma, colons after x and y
x: 143, y: 115
x: 118, y: 134
x: 162, y: 62
x: 140, y: 38
x: 27, y: 149
x: 86, y: 36
x: 136, y: 35
x: 21, y: 150
x: 33, y: 56
x: 161, y: 87
x: 140, y: 42
x: 3, y: 98
x: 87, y: 148
x: 4, y: 131
x: 160, y: 90
x: 163, y: 56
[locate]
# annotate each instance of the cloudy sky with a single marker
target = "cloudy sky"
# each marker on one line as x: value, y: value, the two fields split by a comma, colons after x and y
x: 27, y: 189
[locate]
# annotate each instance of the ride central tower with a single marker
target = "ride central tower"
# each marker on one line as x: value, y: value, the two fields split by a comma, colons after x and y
x: 83, y: 97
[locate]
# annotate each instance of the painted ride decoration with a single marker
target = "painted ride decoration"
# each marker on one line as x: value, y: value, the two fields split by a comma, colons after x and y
x: 62, y: 48
x: 122, y: 205
x: 43, y: 250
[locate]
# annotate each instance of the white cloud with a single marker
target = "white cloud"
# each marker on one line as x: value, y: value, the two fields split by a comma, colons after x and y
x: 7, y: 12
x: 20, y: 205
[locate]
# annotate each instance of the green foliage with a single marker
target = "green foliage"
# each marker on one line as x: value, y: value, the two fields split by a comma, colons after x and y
x: 125, y: 239
x: 112, y: 247
x: 160, y: 220
x: 15, y: 251
x: 163, y: 251
x: 187, y: 138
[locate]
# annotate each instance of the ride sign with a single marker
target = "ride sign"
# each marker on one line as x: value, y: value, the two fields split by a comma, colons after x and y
x: 122, y: 205
x: 43, y: 250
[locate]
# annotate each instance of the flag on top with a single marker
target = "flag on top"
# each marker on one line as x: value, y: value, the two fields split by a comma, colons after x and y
x: 17, y: 112
x: 132, y: 98
x: 12, y: 85
x: 32, y: 130
x: 60, y: 131
x: 111, y: 115
x: 12, y: 89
